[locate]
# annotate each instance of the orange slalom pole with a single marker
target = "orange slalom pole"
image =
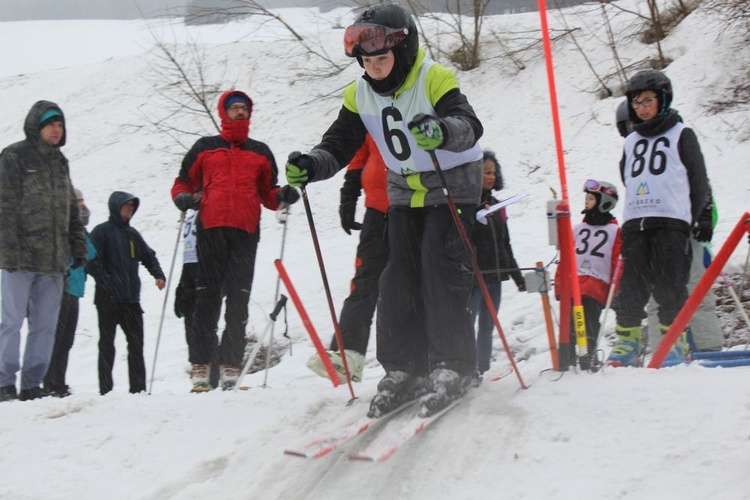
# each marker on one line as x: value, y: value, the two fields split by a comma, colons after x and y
x: 568, y: 251
x: 330, y: 370
x: 544, y: 292
x: 700, y: 291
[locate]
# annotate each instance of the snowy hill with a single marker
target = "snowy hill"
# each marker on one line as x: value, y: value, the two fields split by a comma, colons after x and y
x: 627, y: 433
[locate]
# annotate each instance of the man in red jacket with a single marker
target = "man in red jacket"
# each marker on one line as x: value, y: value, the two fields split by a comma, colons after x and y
x: 228, y: 177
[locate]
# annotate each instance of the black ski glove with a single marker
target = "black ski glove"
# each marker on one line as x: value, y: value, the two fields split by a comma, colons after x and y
x: 185, y: 201
x: 288, y: 195
x: 703, y: 231
x: 346, y: 212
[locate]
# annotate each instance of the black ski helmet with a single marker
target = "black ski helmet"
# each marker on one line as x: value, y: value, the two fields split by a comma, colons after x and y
x: 649, y: 79
x: 622, y: 117
x: 403, y: 39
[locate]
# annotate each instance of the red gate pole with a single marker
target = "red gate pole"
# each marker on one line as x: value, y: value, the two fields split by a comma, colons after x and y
x: 700, y: 291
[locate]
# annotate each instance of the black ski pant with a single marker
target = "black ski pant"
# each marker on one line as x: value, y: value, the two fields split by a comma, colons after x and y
x: 424, y: 319
x: 226, y: 261
x: 655, y: 261
x: 184, y: 306
x: 372, y: 255
x: 130, y: 319
x: 67, y: 321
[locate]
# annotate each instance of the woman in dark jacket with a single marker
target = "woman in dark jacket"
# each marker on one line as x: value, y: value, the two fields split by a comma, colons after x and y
x: 495, y: 258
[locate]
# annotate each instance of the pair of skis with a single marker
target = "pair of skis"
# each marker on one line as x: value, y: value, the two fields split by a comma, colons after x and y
x: 391, y: 439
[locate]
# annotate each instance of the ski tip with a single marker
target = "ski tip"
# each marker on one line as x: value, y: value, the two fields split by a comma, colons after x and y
x: 244, y: 388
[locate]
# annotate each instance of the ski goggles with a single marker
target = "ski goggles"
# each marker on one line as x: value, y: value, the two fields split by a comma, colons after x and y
x: 372, y: 39
x: 593, y: 186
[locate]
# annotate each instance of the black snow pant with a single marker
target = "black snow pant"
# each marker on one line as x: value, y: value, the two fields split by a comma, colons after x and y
x: 655, y: 261
x: 424, y: 319
x: 67, y: 321
x: 372, y: 255
x: 226, y: 260
x: 130, y: 319
x: 184, y: 307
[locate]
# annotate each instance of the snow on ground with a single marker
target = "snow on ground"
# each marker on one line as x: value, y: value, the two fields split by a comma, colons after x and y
x: 629, y: 433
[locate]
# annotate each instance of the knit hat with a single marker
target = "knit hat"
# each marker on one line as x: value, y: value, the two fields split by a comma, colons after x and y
x: 50, y: 116
x: 234, y: 98
x: 79, y: 193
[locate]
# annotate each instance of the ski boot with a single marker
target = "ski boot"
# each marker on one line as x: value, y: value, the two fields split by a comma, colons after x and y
x: 230, y: 375
x: 443, y: 387
x: 354, y: 361
x: 199, y: 377
x: 680, y: 351
x: 628, y: 348
x: 395, y: 389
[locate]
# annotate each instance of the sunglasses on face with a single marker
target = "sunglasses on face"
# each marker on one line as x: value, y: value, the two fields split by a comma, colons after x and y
x: 645, y: 102
x: 593, y: 186
x: 371, y: 39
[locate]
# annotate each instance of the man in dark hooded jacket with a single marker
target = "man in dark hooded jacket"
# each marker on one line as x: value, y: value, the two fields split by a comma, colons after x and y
x: 40, y: 230
x: 229, y: 177
x: 119, y: 251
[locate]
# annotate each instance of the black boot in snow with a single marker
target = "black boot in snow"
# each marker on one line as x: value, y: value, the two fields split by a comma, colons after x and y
x: 443, y: 387
x: 395, y: 389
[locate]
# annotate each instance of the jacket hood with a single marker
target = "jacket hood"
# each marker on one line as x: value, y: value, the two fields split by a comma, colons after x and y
x: 31, y: 125
x: 117, y: 200
x: 234, y: 131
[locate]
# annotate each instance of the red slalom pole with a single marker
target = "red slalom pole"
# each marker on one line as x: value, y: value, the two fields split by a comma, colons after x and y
x: 308, y: 324
x: 700, y: 291
x: 567, y: 253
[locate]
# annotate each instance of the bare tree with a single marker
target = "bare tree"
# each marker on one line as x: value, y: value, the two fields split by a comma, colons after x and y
x: 182, y: 92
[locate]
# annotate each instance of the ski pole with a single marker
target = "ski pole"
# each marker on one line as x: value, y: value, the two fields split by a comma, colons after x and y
x: 280, y: 304
x: 610, y: 297
x: 166, y: 297
x: 282, y: 220
x: 474, y: 264
x: 322, y: 267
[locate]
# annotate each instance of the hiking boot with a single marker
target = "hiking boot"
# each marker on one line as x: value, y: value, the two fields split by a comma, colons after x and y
x: 58, y: 391
x: 31, y: 393
x: 395, y: 389
x: 628, y: 347
x: 8, y: 393
x: 199, y: 377
x: 680, y: 351
x: 443, y: 387
x: 354, y: 361
x: 229, y: 377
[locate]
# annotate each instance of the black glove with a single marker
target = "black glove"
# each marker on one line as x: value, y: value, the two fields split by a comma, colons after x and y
x: 521, y: 286
x: 185, y: 201
x: 288, y: 195
x: 79, y: 262
x: 346, y: 212
x: 703, y: 231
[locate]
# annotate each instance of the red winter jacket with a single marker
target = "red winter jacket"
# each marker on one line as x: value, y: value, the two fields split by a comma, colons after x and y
x: 373, y: 177
x: 235, y: 176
